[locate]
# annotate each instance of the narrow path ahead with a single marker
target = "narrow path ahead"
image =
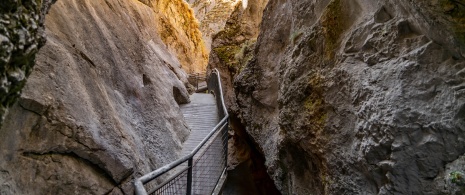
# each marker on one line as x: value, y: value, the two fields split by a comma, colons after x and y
x: 201, y: 116
x: 201, y: 171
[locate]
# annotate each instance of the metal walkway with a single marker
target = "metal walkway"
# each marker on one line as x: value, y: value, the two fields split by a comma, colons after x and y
x: 201, y: 116
x: 202, y: 168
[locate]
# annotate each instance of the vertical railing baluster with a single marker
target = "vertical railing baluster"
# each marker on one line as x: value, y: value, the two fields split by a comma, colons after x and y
x: 207, y: 175
x: 189, y: 176
x: 225, y: 145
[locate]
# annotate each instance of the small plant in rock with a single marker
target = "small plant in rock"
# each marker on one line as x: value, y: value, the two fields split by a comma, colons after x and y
x: 458, y: 178
x: 455, y: 183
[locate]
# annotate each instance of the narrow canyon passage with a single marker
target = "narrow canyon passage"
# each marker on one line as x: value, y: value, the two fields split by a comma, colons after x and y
x: 247, y: 171
x: 325, y: 97
x: 222, y: 21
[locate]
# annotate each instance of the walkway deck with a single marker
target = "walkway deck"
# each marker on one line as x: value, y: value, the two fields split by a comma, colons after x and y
x: 201, y: 116
x: 208, y: 164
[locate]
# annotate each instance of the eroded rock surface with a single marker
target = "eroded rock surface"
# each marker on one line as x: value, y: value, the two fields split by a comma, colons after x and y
x: 179, y: 30
x: 21, y: 36
x: 212, y: 16
x: 232, y: 49
x: 99, y: 108
x: 358, y: 97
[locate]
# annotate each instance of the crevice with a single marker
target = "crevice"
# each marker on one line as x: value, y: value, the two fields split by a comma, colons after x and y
x: 28, y: 109
x: 110, y: 6
x: 382, y: 15
x: 86, y: 58
x: 172, y: 69
x: 251, y: 169
x: 146, y: 80
x: 458, y: 2
x: 102, y: 172
x: 32, y: 106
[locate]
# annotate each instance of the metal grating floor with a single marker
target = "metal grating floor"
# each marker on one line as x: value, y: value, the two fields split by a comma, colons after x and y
x: 201, y: 116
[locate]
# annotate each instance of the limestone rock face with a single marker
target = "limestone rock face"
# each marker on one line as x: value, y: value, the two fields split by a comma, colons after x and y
x: 99, y: 108
x: 21, y: 36
x: 232, y: 47
x: 212, y: 16
x: 179, y: 30
x: 358, y: 97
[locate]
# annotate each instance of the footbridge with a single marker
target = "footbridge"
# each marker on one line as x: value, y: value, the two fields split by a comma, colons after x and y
x: 202, y: 166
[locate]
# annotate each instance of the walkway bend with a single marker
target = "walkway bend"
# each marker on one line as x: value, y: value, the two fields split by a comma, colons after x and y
x: 202, y: 167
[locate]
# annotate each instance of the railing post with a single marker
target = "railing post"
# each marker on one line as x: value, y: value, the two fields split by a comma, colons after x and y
x: 140, y: 190
x: 214, y: 85
x: 189, y: 176
x: 226, y: 145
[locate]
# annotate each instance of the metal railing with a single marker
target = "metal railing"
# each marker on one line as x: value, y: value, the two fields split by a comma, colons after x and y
x: 197, y: 78
x: 199, y: 171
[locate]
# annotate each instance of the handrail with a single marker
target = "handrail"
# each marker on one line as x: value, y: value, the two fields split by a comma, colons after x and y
x: 222, y: 112
x: 170, y: 166
x: 198, y: 77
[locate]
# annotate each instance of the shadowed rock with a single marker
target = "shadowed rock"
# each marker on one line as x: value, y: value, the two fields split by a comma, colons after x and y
x: 368, y: 99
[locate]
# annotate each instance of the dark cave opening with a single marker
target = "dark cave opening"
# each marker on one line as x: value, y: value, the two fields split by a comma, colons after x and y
x: 247, y: 173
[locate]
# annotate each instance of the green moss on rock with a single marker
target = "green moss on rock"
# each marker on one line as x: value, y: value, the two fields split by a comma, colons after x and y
x: 230, y: 30
x: 227, y: 54
x: 314, y: 104
x: 245, y: 54
x: 333, y: 27
x: 236, y: 56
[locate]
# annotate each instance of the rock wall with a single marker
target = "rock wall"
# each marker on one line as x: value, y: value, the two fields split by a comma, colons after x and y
x: 179, y: 30
x: 99, y: 108
x: 21, y: 36
x: 232, y: 49
x: 212, y: 16
x: 358, y: 97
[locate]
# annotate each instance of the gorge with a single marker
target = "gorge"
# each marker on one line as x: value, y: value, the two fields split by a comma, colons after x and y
x: 325, y: 96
